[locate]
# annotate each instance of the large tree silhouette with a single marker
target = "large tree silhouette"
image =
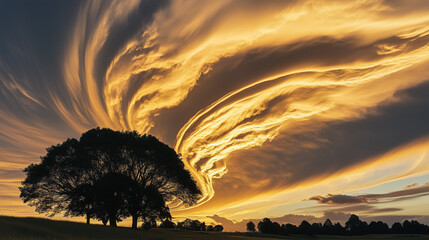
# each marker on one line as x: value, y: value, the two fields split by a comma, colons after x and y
x: 109, y: 175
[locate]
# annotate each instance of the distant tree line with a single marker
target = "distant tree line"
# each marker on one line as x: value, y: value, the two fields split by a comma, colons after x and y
x: 354, y: 226
x: 189, y: 224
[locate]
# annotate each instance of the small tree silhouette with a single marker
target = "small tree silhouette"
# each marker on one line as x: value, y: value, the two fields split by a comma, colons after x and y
x: 397, y: 228
x: 355, y: 226
x: 305, y: 228
x: 266, y: 226
x: 250, y: 227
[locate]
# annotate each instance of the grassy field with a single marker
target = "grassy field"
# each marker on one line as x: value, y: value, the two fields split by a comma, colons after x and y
x: 38, y: 229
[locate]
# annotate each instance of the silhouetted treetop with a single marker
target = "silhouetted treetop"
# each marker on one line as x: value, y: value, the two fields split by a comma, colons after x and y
x: 109, y: 175
x: 250, y: 227
x: 354, y: 226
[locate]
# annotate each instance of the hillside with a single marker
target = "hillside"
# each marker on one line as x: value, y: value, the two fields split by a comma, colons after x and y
x: 38, y: 229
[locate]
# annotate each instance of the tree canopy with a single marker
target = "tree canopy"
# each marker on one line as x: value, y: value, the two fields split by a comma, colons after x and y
x: 109, y: 175
x: 354, y: 226
x: 250, y: 227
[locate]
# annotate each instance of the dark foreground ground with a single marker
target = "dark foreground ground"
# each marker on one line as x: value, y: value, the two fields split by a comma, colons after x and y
x: 38, y: 229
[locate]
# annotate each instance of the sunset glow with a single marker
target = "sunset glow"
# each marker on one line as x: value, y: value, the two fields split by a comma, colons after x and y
x: 277, y: 107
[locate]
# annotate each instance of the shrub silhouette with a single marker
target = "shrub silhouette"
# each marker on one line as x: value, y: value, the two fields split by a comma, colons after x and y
x: 167, y: 224
x: 218, y: 228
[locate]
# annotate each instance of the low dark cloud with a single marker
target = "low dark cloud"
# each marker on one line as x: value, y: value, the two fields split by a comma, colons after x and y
x: 339, y: 199
x: 364, y: 209
x: 401, y: 193
x: 405, y: 194
x: 382, y: 210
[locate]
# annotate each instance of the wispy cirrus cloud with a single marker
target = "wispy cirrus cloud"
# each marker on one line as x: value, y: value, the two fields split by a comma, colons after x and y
x: 411, y: 185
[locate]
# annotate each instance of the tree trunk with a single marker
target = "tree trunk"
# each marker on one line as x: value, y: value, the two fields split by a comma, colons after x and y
x: 87, y: 218
x: 105, y: 220
x: 112, y: 220
x: 134, y: 226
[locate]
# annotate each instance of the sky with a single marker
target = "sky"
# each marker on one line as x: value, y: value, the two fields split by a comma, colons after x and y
x: 284, y: 109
